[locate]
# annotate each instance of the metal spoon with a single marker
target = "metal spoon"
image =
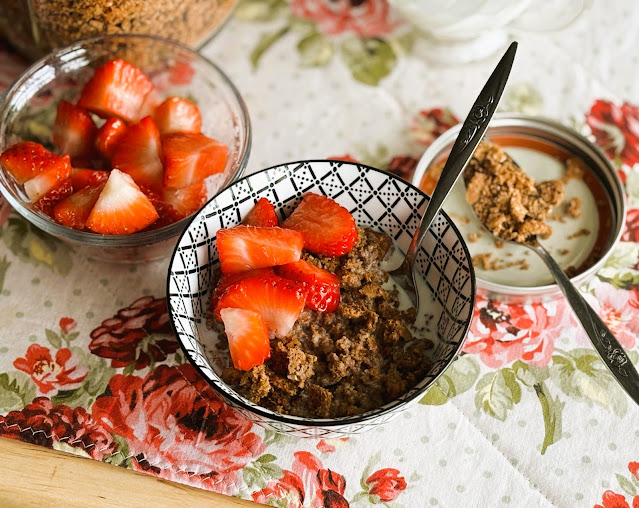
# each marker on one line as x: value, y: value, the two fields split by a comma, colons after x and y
x: 469, y: 137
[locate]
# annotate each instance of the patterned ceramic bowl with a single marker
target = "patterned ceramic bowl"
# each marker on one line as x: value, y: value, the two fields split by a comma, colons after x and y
x: 28, y: 108
x: 376, y: 199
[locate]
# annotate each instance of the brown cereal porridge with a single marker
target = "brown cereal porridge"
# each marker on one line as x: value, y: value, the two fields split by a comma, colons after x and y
x: 485, y: 262
x: 506, y: 200
x: 581, y: 232
x: 574, y: 169
x: 573, y: 208
x: 358, y: 358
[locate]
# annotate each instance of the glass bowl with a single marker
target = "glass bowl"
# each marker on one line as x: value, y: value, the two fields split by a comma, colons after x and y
x: 28, y: 111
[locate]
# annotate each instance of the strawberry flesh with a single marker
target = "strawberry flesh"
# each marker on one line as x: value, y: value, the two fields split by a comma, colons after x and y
x: 50, y: 179
x: 243, y: 248
x: 121, y: 208
x: 27, y: 159
x: 279, y: 301
x: 118, y: 88
x: 81, y: 178
x: 187, y: 200
x: 323, y: 286
x: 247, y: 334
x: 328, y: 228
x: 73, y: 130
x: 177, y: 115
x: 190, y: 158
x: 74, y: 211
x: 228, y: 279
x: 47, y: 202
x: 262, y: 214
x: 108, y: 137
x: 138, y: 154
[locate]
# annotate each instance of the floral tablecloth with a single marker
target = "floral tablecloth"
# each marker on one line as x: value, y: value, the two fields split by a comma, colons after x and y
x: 527, y: 416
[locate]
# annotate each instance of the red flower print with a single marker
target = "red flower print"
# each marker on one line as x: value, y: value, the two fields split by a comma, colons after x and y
x: 368, y: 18
x: 386, y: 484
x: 616, y: 129
x: 43, y: 424
x: 612, y: 500
x: 173, y: 416
x: 403, y: 166
x: 617, y: 308
x: 330, y: 445
x: 502, y: 333
x: 631, y: 233
x: 633, y: 467
x: 140, y: 333
x: 429, y: 124
x: 67, y: 324
x: 288, y: 489
x: 62, y: 374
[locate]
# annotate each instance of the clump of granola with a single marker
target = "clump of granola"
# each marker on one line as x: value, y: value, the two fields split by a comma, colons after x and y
x: 506, y: 200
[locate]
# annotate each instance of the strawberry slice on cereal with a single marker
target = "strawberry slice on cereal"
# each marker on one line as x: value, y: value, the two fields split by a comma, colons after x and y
x: 228, y: 279
x: 328, y: 228
x: 323, y: 286
x: 247, y: 334
x: 262, y: 214
x: 243, y: 248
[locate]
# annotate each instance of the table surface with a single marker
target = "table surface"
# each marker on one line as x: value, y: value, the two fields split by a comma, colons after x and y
x: 527, y: 416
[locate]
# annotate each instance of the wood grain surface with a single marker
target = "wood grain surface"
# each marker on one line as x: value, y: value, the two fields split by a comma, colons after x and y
x: 34, y: 476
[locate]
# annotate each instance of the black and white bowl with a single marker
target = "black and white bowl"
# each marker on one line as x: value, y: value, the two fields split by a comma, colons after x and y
x: 376, y: 199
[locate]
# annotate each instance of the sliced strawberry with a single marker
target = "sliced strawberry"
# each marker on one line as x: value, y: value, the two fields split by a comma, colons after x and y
x: 280, y: 301
x: 190, y: 158
x: 74, y: 211
x: 47, y: 202
x: 177, y: 115
x: 73, y: 130
x: 27, y: 159
x: 188, y: 200
x: 228, y: 279
x: 50, y: 179
x: 323, y: 286
x: 248, y: 337
x: 121, y: 208
x: 87, y: 177
x: 139, y: 154
x: 167, y: 214
x: 328, y: 228
x: 108, y: 137
x: 118, y: 88
x: 243, y: 248
x: 262, y: 214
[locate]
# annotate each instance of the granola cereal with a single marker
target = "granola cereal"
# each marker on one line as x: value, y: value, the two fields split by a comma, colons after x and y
x: 573, y: 208
x: 343, y: 363
x: 506, y: 200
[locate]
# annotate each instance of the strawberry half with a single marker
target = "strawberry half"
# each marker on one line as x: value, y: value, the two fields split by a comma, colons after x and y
x: 121, y: 208
x: 279, y: 301
x: 166, y: 213
x: 81, y: 178
x: 74, y: 211
x: 228, y: 279
x: 73, y: 130
x: 243, y: 248
x: 118, y: 88
x: 177, y: 115
x: 138, y: 154
x: 188, y: 200
x: 27, y: 159
x: 328, y: 228
x: 323, y: 286
x: 248, y: 337
x: 190, y: 158
x: 108, y: 137
x: 50, y: 179
x: 262, y: 214
x: 47, y: 202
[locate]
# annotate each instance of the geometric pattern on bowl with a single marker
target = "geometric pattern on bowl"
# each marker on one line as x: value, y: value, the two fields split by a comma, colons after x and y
x: 376, y: 199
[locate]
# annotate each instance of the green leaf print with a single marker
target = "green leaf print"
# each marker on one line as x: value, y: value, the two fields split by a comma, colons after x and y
x: 369, y: 60
x: 32, y: 245
x: 581, y: 374
x: 265, y: 42
x: 54, y: 339
x: 122, y: 457
x: 16, y: 391
x: 315, y: 50
x: 259, y: 472
x: 4, y: 266
x: 259, y: 10
x: 529, y: 375
x: 458, y: 378
x: 552, y: 410
x: 627, y: 486
x: 497, y: 393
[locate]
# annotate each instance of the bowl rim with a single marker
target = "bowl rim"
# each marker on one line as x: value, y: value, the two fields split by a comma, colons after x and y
x: 138, y: 238
x: 533, y: 294
x: 297, y: 421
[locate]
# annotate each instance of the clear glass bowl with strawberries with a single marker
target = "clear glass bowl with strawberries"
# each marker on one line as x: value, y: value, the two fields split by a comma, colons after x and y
x: 112, y: 143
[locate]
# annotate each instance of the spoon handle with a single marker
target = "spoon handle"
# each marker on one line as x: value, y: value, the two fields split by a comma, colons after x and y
x: 467, y: 140
x: 611, y: 352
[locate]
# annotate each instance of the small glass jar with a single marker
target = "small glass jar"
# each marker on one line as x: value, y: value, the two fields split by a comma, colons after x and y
x: 35, y: 27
